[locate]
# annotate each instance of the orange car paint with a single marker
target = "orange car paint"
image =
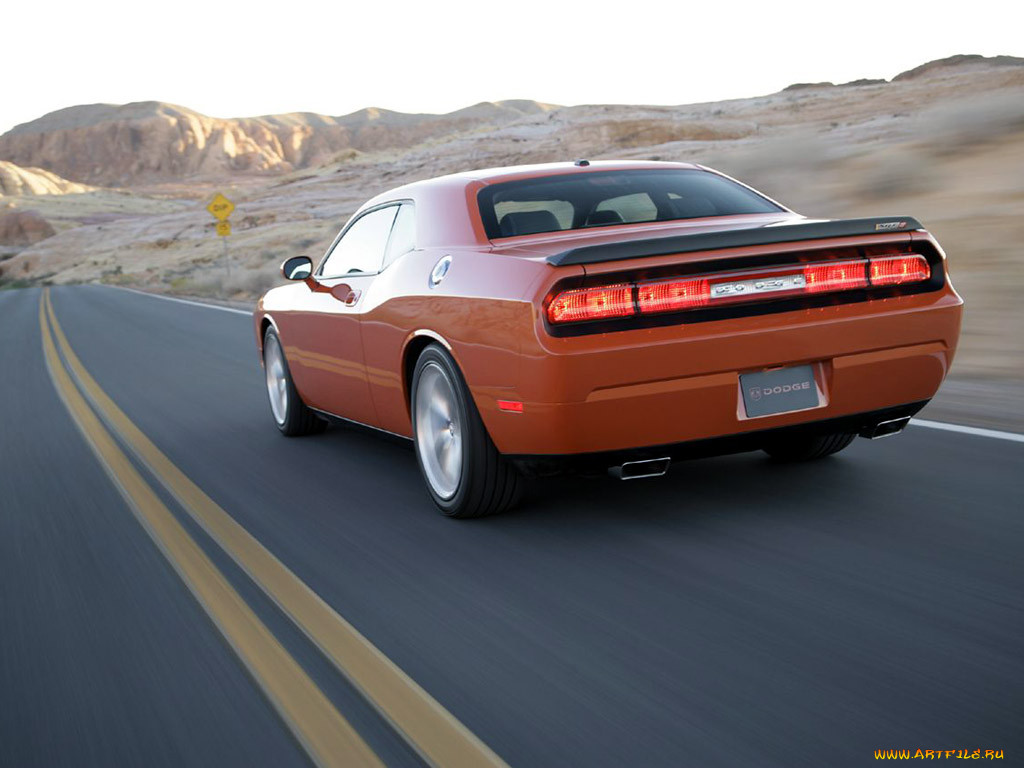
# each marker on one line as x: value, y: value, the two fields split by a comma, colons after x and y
x: 606, y: 391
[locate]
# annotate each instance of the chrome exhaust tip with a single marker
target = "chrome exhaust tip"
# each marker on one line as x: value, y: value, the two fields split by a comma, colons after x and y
x: 885, y: 428
x: 636, y: 470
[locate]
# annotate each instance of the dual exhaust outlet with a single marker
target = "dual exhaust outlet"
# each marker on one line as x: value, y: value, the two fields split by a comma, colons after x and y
x: 637, y: 470
x: 885, y: 428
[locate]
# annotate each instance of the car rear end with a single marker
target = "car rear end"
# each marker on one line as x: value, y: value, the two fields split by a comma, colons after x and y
x: 859, y: 326
x: 725, y: 333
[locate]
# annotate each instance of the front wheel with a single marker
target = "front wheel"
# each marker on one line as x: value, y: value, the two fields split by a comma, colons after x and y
x: 291, y: 415
x: 808, y: 448
x: 465, y: 474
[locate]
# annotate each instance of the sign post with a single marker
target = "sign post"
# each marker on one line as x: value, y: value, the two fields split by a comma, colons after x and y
x: 220, y: 208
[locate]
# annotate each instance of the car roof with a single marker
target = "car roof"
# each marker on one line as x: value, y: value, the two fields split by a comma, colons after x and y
x: 513, y: 172
x: 509, y: 173
x: 485, y: 176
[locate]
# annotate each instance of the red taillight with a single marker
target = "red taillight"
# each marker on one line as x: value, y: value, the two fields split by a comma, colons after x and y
x: 841, y: 276
x: 737, y: 287
x: 673, y: 295
x: 897, y: 270
x: 592, y: 304
x: 510, y: 406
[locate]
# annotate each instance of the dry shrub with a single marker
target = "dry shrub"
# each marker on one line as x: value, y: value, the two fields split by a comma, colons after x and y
x: 206, y: 284
x: 249, y: 283
x: 253, y: 282
x: 346, y: 156
x: 300, y: 246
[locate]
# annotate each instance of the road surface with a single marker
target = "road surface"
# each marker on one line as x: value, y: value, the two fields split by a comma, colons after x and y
x: 180, y: 585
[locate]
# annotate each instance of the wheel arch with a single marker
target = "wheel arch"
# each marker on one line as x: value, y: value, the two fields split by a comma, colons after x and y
x: 263, y: 323
x: 414, y: 345
x: 266, y: 322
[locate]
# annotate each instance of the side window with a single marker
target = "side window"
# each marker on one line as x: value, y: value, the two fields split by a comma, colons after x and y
x: 403, y: 234
x: 361, y: 250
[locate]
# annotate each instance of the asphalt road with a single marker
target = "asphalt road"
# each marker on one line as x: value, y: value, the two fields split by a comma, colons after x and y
x: 733, y: 613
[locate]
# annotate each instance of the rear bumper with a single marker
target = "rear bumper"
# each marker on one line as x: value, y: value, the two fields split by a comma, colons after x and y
x: 663, y: 386
x: 716, y: 446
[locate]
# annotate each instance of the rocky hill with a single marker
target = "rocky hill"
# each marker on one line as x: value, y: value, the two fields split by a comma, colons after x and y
x: 960, y: 61
x: 16, y: 181
x: 151, y: 141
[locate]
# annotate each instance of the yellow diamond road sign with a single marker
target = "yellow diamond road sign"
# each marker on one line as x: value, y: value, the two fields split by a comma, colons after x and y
x: 220, y: 207
x: 223, y: 228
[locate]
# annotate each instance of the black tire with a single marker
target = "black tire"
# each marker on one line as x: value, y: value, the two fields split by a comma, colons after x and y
x: 297, y: 419
x: 809, y: 448
x: 487, y: 483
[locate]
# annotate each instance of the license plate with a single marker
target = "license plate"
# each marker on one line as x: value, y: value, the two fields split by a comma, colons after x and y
x: 779, y: 391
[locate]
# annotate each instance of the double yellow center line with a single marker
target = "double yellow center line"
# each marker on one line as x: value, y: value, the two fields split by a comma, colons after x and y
x: 328, y: 738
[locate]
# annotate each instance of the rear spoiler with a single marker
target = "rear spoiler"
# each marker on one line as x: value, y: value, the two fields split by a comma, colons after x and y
x: 733, y: 238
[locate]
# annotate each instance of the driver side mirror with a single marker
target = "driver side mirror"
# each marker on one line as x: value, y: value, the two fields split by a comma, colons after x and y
x: 297, y: 268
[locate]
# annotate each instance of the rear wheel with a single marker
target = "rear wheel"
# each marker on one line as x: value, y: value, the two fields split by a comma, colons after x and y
x: 291, y: 415
x: 465, y: 474
x: 809, y: 448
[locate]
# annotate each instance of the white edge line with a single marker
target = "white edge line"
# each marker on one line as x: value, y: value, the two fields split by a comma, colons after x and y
x: 180, y: 301
x: 977, y: 431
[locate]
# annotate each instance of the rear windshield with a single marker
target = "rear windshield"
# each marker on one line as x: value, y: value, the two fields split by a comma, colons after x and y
x: 604, y: 198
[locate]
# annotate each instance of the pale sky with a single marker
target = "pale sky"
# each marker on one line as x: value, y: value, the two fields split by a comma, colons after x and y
x: 235, y: 59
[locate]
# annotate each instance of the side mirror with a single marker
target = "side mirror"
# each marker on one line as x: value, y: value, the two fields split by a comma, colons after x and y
x: 297, y: 268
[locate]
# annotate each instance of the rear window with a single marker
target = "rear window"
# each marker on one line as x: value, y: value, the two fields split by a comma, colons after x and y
x: 605, y: 198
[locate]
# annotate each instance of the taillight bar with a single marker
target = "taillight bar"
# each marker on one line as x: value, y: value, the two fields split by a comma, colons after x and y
x: 838, y: 276
x: 738, y: 287
x: 897, y: 270
x: 592, y: 304
x: 673, y: 295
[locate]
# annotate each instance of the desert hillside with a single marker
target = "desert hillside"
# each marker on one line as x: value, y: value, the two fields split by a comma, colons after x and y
x: 151, y: 141
x: 943, y: 142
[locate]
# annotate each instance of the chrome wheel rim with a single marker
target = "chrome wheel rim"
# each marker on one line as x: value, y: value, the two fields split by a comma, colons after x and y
x: 438, y: 431
x: 277, y: 379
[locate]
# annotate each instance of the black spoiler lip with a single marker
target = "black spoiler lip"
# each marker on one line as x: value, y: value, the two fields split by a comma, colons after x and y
x: 785, y: 232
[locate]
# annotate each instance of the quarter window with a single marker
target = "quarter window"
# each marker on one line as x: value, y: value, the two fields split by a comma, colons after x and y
x: 403, y: 234
x: 361, y: 248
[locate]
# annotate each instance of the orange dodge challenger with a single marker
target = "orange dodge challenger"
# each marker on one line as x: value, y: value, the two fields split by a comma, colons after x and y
x: 528, y: 320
